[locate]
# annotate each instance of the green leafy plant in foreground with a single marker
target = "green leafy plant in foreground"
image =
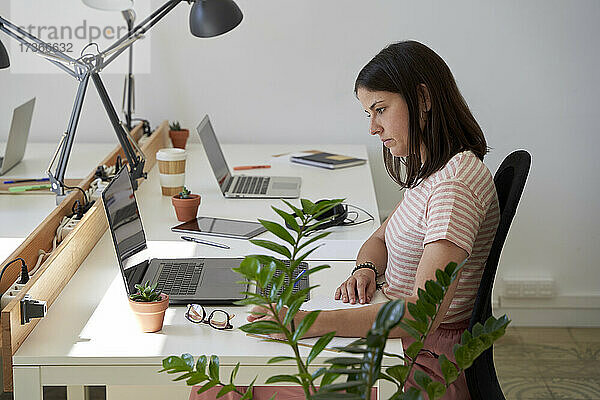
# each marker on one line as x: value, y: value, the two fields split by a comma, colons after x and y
x: 362, y: 370
x: 175, y: 126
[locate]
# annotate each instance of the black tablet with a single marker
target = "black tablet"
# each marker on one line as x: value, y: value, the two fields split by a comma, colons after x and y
x: 221, y: 227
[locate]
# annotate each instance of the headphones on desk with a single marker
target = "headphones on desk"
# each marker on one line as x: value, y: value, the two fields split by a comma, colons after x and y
x: 338, y: 216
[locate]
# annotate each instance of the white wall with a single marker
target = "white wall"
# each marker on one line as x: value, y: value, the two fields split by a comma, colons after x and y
x: 528, y: 69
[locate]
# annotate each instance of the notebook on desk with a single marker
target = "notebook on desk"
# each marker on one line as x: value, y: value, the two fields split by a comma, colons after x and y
x: 17, y: 136
x: 190, y: 280
x: 243, y: 186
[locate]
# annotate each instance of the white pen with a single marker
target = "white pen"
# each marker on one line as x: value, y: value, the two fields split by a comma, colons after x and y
x: 201, y: 241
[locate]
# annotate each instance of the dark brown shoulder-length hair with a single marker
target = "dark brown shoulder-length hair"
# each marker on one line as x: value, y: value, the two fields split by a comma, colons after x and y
x: 449, y: 127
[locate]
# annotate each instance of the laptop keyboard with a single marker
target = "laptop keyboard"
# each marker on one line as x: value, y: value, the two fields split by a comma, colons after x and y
x: 179, y: 278
x: 302, y: 283
x: 251, y: 185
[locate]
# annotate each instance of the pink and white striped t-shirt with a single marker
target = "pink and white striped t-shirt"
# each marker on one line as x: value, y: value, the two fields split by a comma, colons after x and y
x: 457, y: 203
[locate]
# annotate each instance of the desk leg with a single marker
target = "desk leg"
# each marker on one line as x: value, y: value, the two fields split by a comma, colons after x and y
x: 27, y: 383
x: 76, y: 393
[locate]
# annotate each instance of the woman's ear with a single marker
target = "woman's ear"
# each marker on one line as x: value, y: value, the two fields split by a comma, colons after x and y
x: 424, y: 98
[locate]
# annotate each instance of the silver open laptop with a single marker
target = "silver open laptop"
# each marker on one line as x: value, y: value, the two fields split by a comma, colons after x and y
x: 17, y: 136
x: 189, y: 280
x: 244, y: 186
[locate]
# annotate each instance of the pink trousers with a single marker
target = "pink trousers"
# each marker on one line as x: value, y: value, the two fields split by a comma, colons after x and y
x: 439, y: 342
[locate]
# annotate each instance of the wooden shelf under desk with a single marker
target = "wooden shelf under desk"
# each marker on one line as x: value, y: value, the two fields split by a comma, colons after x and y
x: 64, y: 261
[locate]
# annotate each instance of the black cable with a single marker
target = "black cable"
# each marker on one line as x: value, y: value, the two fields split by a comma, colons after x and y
x: 75, y: 187
x: 23, y: 265
x: 353, y: 222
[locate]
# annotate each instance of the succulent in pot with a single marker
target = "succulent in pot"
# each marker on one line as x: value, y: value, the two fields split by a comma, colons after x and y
x: 178, y: 135
x: 186, y: 205
x: 149, y: 306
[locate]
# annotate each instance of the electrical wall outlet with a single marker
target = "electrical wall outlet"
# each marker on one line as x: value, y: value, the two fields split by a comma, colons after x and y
x: 529, y: 288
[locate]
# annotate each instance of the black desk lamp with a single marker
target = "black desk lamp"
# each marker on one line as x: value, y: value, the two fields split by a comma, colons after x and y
x: 208, y: 18
x: 4, y: 60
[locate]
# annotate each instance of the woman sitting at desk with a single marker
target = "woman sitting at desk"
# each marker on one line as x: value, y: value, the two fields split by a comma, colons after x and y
x: 449, y: 211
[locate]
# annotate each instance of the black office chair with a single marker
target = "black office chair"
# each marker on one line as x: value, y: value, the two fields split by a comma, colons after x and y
x: 509, y: 181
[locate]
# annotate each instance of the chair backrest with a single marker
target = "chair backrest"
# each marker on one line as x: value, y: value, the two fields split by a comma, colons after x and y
x: 510, y: 182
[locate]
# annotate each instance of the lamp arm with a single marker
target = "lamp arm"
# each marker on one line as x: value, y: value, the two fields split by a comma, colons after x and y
x: 43, y: 49
x: 134, y: 35
x: 66, y: 142
x: 136, y: 163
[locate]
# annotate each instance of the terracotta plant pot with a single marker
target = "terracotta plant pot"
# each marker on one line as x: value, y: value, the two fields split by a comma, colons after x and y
x: 186, y: 209
x: 179, y: 138
x: 150, y: 315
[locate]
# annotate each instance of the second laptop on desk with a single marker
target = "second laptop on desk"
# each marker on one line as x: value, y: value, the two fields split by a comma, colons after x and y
x: 243, y: 186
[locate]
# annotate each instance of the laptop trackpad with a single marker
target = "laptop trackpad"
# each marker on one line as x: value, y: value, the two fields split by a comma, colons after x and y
x: 284, y: 185
x: 219, y: 283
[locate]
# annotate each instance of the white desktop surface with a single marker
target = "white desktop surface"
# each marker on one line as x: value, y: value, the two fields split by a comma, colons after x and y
x: 22, y: 213
x: 91, y: 327
x: 90, y: 336
x: 354, y: 183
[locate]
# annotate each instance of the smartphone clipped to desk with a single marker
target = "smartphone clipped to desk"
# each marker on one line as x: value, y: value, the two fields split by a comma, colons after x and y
x: 222, y: 227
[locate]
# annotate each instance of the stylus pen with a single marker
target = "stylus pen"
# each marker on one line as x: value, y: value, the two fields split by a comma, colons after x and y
x: 201, y: 241
x: 298, y: 277
x: 26, y: 180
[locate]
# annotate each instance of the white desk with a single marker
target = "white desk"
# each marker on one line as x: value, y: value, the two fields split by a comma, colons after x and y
x: 21, y: 214
x: 89, y: 336
x: 355, y: 184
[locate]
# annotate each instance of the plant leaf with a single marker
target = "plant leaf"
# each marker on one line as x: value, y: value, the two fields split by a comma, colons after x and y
x: 389, y: 315
x: 201, y: 364
x: 398, y: 372
x: 319, y: 346
x: 277, y: 248
x: 341, y: 386
x: 421, y: 378
x: 213, y: 368
x: 277, y: 230
x: 443, y: 278
x: 345, y: 361
x: 449, y: 371
x: 314, y: 239
x: 434, y: 290
x: 261, y: 327
x: 283, y: 378
x: 234, y: 373
x: 225, y: 389
x: 414, y: 349
x: 288, y: 218
x: 305, y: 324
x: 435, y: 390
x: 208, y: 386
x: 280, y: 358
x: 417, y: 313
x: 307, y: 206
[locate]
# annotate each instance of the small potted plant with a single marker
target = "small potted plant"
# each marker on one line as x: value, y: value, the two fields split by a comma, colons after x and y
x: 186, y: 205
x: 149, y: 306
x: 178, y: 136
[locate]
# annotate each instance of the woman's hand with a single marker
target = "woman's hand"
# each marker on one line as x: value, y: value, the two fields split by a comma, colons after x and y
x: 361, y: 284
x: 263, y: 313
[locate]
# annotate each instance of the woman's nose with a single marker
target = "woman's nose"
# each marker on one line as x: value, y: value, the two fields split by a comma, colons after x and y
x: 374, y: 128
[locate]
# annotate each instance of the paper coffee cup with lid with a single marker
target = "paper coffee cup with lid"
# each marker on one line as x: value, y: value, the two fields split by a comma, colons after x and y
x: 171, y: 167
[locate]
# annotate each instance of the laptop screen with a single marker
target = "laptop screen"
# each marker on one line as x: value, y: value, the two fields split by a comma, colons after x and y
x: 126, y: 228
x: 213, y: 152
